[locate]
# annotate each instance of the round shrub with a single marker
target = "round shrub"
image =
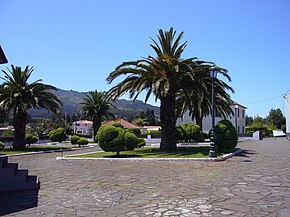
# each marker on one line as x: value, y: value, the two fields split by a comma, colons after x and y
x: 82, y: 141
x: 57, y: 135
x: 111, y: 138
x: 74, y: 139
x: 226, y: 136
x: 135, y: 131
x: 30, y: 139
x: 141, y: 142
x: 116, y: 139
x: 130, y: 141
x: 1, y: 146
x: 180, y: 133
x: 197, y: 135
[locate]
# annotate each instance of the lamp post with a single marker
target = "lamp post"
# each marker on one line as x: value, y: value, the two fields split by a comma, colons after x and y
x: 213, y: 149
x: 236, y: 118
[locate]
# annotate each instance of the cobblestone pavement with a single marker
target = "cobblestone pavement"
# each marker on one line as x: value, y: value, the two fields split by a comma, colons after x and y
x: 256, y: 183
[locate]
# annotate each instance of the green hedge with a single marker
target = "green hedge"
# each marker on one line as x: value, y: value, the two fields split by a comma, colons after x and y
x: 74, y: 139
x: 30, y: 139
x: 82, y: 141
x: 57, y: 135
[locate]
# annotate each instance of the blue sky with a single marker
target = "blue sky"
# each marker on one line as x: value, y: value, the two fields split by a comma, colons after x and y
x: 76, y: 44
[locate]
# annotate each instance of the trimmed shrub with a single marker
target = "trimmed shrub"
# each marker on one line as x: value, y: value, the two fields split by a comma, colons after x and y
x: 130, y: 141
x: 226, y: 136
x: 82, y: 141
x: 30, y: 139
x: 74, y: 139
x: 57, y: 135
x: 1, y: 146
x: 116, y: 139
x: 141, y: 142
x: 180, y: 133
x: 135, y: 131
x: 189, y: 132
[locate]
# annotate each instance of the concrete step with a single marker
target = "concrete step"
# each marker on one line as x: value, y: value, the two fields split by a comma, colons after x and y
x: 9, y: 169
x: 11, y: 178
x: 3, y: 161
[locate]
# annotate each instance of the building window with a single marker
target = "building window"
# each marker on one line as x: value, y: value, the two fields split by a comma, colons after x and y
x: 238, y: 129
x: 243, y: 113
x: 238, y: 112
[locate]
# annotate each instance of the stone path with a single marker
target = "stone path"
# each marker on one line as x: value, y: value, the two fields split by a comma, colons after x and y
x: 256, y: 183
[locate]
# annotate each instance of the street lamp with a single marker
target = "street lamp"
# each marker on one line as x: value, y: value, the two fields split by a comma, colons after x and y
x: 213, y: 149
x: 236, y: 118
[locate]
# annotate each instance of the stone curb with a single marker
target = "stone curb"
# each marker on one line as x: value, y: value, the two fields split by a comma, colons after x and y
x: 46, y: 152
x: 222, y: 158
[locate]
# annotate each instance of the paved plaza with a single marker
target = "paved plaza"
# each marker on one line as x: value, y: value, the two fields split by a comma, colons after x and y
x: 255, y: 183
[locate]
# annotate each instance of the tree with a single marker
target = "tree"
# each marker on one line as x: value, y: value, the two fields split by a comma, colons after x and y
x: 249, y: 120
x: 96, y: 106
x: 200, y: 104
x: 57, y: 135
x: 18, y: 96
x: 163, y: 75
x: 276, y: 118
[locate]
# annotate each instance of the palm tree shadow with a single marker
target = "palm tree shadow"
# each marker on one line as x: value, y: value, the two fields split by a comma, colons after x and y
x: 16, y: 201
x: 246, y: 154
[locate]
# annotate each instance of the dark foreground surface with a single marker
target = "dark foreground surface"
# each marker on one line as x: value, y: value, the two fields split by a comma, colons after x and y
x: 255, y: 183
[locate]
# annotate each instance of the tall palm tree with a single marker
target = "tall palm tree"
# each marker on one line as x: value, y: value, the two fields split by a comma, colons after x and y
x: 95, y: 107
x: 199, y: 104
x: 17, y: 95
x: 163, y: 75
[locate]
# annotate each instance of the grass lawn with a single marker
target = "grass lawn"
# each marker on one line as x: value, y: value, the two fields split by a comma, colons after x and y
x: 34, y: 148
x: 181, y: 152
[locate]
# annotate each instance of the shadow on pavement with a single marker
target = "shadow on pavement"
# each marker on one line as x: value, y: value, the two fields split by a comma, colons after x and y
x: 246, y: 154
x: 16, y: 201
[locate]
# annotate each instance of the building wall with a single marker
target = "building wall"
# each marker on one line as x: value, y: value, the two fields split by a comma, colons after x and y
x: 238, y: 119
x: 287, y: 106
x: 84, y: 127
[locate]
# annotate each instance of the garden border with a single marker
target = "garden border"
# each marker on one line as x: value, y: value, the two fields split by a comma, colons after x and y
x: 222, y: 158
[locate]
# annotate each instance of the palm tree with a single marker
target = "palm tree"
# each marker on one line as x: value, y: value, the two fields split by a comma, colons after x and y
x: 17, y: 95
x: 163, y: 76
x: 95, y: 107
x: 199, y: 104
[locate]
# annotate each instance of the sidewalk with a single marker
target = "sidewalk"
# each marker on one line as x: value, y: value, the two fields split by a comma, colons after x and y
x: 255, y: 183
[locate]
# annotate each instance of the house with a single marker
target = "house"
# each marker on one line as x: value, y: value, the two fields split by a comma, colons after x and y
x: 238, y: 119
x: 125, y: 124
x: 84, y: 127
x: 287, y: 106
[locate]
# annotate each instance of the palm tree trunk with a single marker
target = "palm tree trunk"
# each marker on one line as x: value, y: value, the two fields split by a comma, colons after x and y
x: 96, y: 125
x: 168, y: 122
x: 19, y: 124
x: 198, y: 120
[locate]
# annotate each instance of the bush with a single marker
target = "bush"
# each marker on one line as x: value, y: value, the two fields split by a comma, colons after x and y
x: 180, y: 133
x: 7, y: 134
x: 189, y: 132
x: 74, y: 139
x: 57, y: 135
x: 116, y: 139
x: 226, y: 136
x: 130, y: 141
x: 135, y: 131
x: 1, y: 146
x: 30, y: 139
x: 82, y: 141
x: 141, y: 142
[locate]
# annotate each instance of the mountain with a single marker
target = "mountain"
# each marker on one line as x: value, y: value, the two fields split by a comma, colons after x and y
x: 71, y: 102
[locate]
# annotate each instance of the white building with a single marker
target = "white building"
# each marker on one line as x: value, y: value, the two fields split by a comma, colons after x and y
x: 84, y: 127
x: 287, y: 103
x: 238, y: 119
